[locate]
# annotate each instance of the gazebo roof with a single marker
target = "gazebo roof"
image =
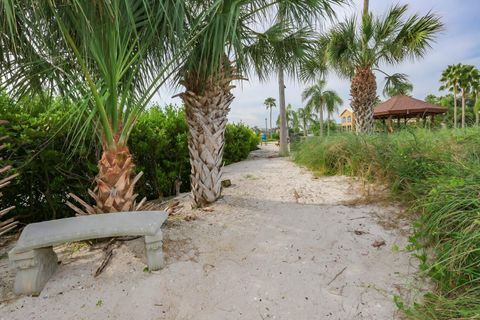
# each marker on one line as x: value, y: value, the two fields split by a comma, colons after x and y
x: 405, y: 106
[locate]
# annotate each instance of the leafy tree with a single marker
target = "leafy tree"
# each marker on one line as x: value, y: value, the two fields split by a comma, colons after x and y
x: 270, y: 104
x: 319, y: 99
x: 355, y: 50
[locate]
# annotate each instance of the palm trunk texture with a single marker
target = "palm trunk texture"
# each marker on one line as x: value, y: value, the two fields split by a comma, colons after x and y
x: 364, y: 94
x: 115, y: 187
x: 206, y: 115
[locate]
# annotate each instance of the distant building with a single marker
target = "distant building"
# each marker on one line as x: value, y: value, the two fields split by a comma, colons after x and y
x: 347, y: 120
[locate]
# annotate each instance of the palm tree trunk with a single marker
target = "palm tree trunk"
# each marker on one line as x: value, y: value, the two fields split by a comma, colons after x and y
x: 463, y: 108
x: 320, y: 115
x: 364, y: 94
x: 365, y: 7
x: 455, y: 107
x: 271, y: 130
x: 115, y: 187
x: 283, y: 116
x: 328, y: 124
x: 206, y: 115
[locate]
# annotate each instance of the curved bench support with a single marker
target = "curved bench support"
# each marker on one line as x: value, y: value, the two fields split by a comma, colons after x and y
x: 34, y: 268
x: 154, y: 252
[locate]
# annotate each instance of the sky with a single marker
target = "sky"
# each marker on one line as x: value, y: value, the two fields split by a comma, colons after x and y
x: 459, y: 42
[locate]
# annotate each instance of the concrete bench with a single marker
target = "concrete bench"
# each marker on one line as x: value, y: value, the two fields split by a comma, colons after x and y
x: 34, y: 258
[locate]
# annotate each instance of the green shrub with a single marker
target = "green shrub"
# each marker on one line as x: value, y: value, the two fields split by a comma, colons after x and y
x: 159, y: 146
x: 240, y: 140
x: 438, y: 173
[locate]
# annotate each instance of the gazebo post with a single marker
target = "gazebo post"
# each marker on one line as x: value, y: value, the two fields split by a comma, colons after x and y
x: 390, y: 125
x: 432, y: 120
x: 398, y: 122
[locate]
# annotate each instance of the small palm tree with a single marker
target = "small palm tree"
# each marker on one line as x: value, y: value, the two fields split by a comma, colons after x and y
x: 397, y: 86
x: 99, y: 54
x: 317, y: 98
x: 305, y: 118
x: 355, y: 50
x: 332, y: 102
x: 450, y: 81
x: 270, y: 103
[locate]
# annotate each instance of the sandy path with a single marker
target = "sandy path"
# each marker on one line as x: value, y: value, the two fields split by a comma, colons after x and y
x: 279, y: 245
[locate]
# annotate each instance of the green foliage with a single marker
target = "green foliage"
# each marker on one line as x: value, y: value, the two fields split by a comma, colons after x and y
x: 38, y: 148
x: 439, y: 174
x: 159, y: 147
x: 240, y: 140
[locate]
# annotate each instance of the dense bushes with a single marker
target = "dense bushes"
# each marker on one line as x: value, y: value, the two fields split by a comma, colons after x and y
x: 39, y: 149
x: 439, y: 174
x: 239, y: 142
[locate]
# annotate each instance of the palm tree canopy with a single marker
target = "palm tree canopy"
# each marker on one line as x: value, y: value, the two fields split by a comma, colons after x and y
x: 397, y: 84
x: 380, y: 40
x: 233, y: 33
x: 450, y: 78
x: 270, y: 102
x: 97, y: 53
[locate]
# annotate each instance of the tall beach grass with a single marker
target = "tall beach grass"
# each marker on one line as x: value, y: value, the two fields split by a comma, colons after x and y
x: 438, y: 174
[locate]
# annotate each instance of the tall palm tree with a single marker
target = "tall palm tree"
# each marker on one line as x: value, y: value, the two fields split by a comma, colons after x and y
x: 355, y: 50
x: 270, y: 103
x: 99, y: 54
x: 450, y: 81
x: 298, y: 59
x: 332, y: 102
x: 467, y: 76
x: 233, y: 45
x: 317, y: 98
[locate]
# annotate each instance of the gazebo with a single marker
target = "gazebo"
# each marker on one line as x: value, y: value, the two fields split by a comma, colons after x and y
x: 405, y: 107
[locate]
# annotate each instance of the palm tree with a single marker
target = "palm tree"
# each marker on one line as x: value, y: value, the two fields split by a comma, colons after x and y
x: 467, y: 76
x: 355, y: 50
x: 475, y: 86
x: 270, y: 104
x: 98, y: 54
x: 318, y: 97
x: 450, y: 81
x: 233, y: 45
x: 291, y: 118
x: 305, y: 118
x: 397, y: 86
x: 332, y: 102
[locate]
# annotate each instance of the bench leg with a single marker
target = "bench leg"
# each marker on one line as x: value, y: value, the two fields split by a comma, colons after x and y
x: 154, y: 251
x: 33, y: 269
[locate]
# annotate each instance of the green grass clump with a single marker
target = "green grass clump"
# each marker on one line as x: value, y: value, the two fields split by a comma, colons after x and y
x: 438, y: 173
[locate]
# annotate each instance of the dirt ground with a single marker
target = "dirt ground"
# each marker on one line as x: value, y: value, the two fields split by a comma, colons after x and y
x: 280, y: 244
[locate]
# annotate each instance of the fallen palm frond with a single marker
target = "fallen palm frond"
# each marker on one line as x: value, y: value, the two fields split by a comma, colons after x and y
x: 9, y: 224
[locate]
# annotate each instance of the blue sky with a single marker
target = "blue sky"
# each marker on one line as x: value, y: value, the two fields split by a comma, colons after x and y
x: 459, y: 42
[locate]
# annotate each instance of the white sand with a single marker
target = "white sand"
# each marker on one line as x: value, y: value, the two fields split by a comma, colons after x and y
x: 270, y: 249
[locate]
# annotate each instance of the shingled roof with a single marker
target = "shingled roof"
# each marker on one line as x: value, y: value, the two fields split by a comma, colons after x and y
x: 405, y: 106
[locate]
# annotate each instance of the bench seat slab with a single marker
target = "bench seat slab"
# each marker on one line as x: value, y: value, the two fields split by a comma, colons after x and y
x: 33, y: 269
